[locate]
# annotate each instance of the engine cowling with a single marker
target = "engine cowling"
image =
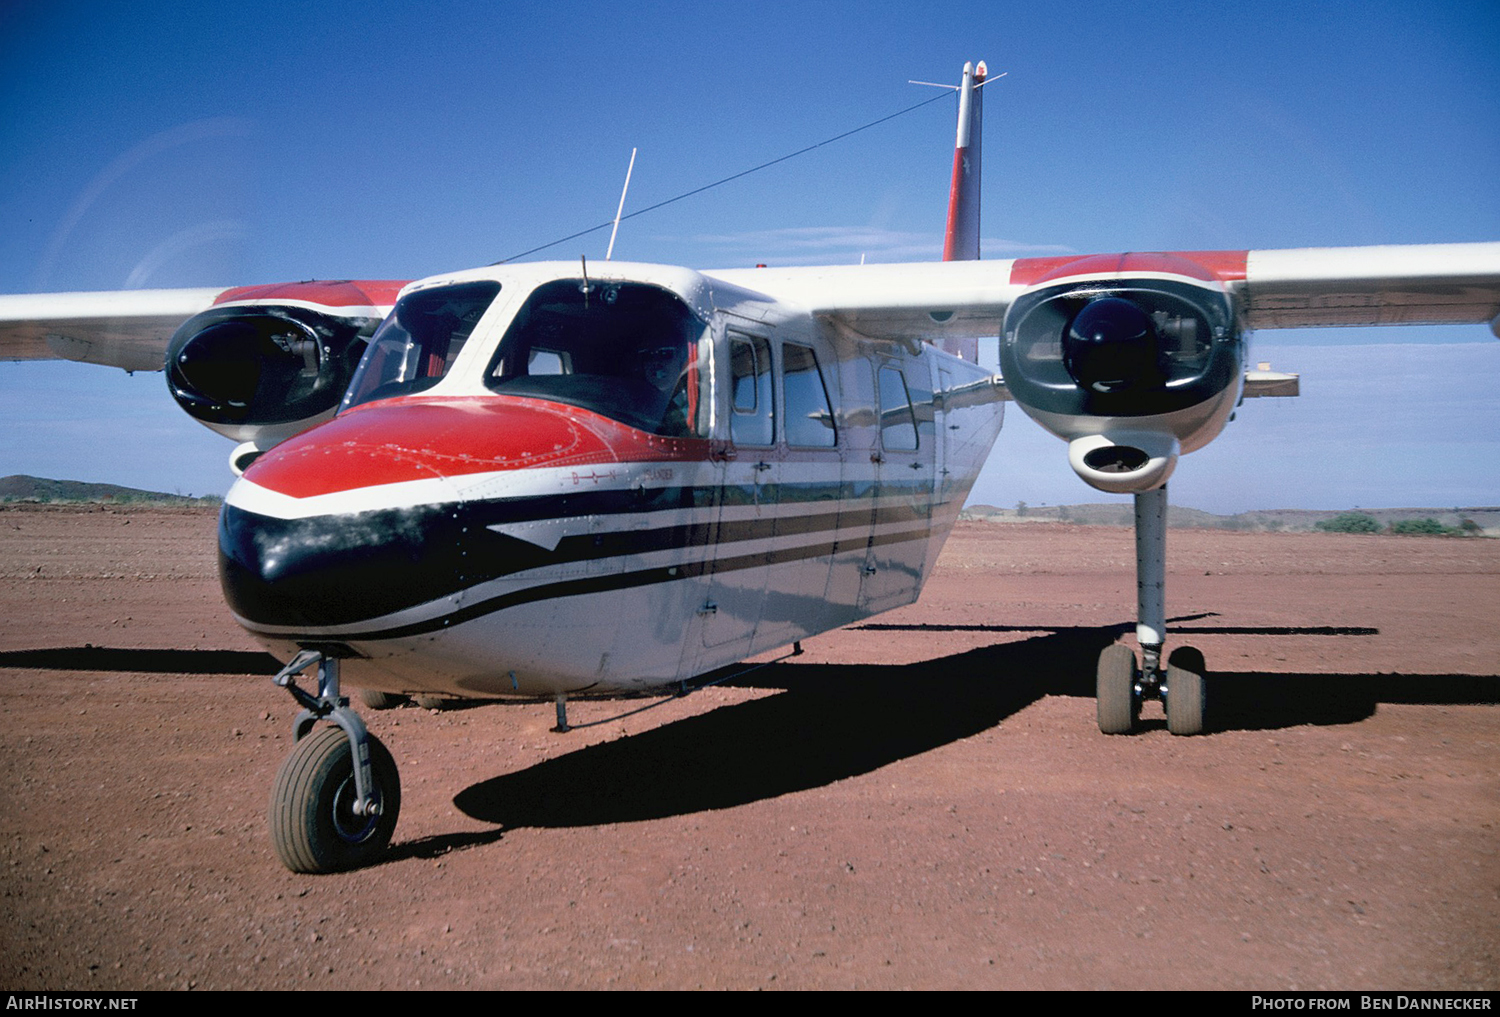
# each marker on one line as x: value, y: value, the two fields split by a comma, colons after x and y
x: 1132, y: 364
x: 275, y: 362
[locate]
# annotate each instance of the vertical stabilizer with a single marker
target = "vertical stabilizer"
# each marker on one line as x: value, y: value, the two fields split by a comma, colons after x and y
x: 961, y: 241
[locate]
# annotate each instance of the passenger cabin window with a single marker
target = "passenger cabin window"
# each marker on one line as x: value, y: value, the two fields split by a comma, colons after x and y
x: 898, y: 424
x: 418, y: 342
x: 627, y: 351
x: 753, y: 420
x: 809, y: 415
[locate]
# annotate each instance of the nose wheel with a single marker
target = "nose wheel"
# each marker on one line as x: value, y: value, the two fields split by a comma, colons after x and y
x: 315, y: 823
x: 337, y: 796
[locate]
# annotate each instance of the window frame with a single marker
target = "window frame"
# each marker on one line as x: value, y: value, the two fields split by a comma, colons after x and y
x: 884, y: 408
x: 764, y: 417
x: 792, y: 412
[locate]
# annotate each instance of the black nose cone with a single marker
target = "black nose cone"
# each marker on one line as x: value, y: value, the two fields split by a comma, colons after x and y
x: 329, y: 570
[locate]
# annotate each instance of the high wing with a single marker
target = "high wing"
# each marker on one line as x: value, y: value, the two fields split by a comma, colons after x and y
x: 299, y: 342
x: 255, y: 363
x: 1354, y: 286
x: 927, y: 301
x: 128, y: 329
x: 1425, y: 284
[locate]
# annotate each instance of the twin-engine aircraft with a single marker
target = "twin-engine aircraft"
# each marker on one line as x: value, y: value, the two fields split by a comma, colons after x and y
x: 558, y: 478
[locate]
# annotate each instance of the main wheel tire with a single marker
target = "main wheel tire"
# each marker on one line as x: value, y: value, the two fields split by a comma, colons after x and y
x: 313, y: 825
x: 378, y: 700
x: 1114, y: 690
x: 1186, y: 697
x: 428, y: 702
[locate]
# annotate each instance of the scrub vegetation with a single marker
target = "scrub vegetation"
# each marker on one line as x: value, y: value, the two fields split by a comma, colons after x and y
x: 1454, y: 522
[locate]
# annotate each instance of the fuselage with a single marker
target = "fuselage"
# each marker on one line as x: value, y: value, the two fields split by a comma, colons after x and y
x: 544, y: 483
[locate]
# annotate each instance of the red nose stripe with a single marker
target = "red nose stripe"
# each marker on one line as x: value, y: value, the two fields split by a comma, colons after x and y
x: 419, y: 439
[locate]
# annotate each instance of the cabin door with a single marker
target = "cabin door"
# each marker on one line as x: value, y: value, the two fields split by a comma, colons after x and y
x: 943, y: 483
x: 903, y: 491
x: 747, y: 499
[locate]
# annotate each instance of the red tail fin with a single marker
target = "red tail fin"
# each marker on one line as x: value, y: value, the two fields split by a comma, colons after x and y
x: 961, y: 242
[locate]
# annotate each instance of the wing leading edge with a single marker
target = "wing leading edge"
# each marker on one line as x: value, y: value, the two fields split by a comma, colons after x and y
x: 926, y: 301
x: 131, y: 329
x: 1427, y: 284
x: 128, y: 329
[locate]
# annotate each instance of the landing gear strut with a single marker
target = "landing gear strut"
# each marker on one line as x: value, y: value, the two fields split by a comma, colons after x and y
x: 337, y: 796
x: 1121, y: 687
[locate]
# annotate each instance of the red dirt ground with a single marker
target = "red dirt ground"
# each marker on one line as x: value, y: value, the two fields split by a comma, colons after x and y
x: 922, y: 802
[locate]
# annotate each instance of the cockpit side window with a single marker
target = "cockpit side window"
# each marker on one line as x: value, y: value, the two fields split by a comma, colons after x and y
x: 418, y: 342
x: 628, y: 351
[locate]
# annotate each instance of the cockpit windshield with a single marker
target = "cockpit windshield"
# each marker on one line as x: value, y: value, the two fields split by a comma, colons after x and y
x: 628, y: 351
x: 417, y: 343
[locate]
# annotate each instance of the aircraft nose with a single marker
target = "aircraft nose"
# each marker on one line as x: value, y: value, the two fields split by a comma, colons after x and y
x: 385, y: 508
x: 315, y: 571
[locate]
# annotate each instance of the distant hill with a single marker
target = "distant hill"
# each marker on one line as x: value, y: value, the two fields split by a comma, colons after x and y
x: 22, y: 488
x: 1267, y: 520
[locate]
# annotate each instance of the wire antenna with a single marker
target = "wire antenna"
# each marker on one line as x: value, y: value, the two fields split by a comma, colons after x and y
x: 718, y: 183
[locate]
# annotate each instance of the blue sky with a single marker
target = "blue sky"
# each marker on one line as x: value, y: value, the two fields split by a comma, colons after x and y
x: 161, y: 144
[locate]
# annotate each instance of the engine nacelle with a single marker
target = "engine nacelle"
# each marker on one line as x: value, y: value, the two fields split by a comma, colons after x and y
x: 264, y: 372
x: 1131, y: 364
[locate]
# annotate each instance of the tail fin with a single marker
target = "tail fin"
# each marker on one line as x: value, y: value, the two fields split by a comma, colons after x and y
x: 961, y: 242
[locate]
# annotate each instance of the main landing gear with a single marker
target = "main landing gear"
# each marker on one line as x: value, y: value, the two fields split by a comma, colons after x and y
x: 1121, y: 686
x: 336, y: 798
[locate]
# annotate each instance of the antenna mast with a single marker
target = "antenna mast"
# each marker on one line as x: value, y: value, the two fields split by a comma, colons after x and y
x: 623, y: 191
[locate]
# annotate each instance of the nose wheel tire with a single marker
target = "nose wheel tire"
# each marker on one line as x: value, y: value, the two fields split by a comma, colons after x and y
x: 1185, y: 693
x: 313, y: 824
x: 1118, y: 702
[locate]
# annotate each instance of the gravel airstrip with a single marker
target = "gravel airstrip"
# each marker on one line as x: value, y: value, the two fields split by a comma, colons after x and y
x: 923, y: 801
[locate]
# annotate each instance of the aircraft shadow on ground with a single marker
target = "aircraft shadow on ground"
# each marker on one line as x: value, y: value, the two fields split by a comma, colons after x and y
x: 1174, y: 630
x: 827, y: 722
x: 107, y: 658
x: 834, y: 721
x: 831, y: 721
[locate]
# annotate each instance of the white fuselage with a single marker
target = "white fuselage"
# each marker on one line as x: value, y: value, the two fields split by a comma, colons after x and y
x: 551, y: 550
